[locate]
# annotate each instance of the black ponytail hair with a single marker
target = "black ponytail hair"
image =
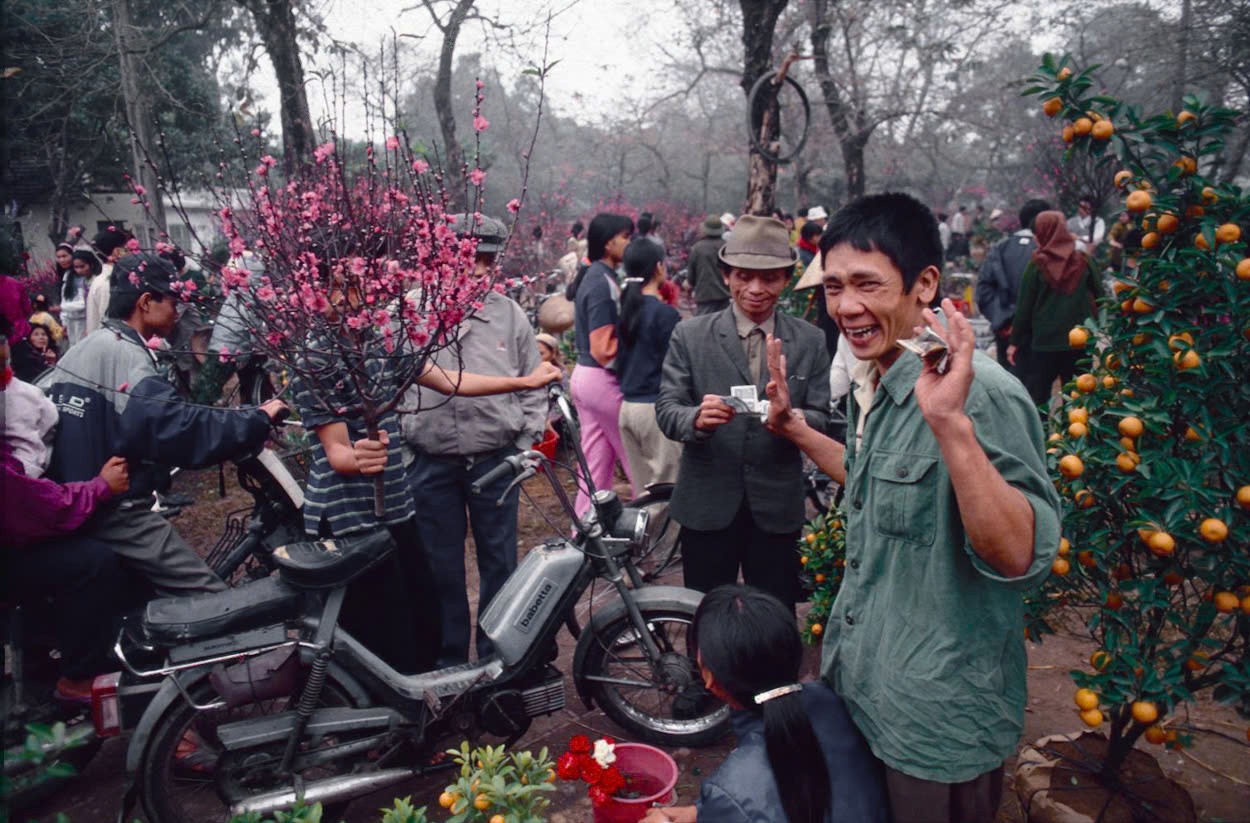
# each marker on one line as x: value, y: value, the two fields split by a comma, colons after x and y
x: 748, y: 640
x: 603, y: 228
x: 642, y: 263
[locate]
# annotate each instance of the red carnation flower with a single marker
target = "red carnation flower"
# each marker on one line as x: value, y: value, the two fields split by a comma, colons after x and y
x: 612, y: 780
x: 580, y: 744
x: 568, y: 766
x: 598, y: 796
x: 591, y: 771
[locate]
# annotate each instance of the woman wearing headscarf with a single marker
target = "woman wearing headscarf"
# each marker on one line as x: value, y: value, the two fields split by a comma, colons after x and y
x: 1058, y: 290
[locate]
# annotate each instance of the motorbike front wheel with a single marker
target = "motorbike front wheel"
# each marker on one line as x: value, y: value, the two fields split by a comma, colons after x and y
x: 662, y: 702
x: 188, y: 775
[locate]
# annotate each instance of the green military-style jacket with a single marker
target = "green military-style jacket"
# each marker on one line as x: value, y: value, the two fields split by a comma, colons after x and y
x: 925, y: 641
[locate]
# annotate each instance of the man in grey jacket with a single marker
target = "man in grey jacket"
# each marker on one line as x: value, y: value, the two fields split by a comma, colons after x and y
x: 457, y: 440
x: 739, y: 493
x: 707, y: 283
x: 999, y: 279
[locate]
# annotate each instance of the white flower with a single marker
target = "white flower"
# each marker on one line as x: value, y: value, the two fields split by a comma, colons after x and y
x: 604, y: 753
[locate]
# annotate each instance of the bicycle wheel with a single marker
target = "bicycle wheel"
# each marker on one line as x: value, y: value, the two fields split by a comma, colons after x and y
x: 662, y: 553
x: 786, y: 147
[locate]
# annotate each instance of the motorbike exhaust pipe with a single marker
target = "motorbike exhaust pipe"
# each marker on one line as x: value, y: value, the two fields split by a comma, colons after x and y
x: 330, y: 790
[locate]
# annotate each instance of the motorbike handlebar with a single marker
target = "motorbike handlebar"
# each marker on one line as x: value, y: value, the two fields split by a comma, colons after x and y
x: 510, y: 466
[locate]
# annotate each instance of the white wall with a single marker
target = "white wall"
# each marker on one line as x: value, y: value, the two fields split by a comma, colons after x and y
x: 105, y: 208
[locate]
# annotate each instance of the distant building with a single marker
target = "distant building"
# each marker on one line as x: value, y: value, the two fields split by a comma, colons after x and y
x: 97, y: 210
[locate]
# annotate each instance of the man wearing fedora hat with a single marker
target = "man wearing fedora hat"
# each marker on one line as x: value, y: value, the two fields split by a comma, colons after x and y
x: 739, y: 493
x: 707, y: 283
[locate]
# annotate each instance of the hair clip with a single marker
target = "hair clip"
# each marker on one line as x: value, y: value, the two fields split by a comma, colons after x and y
x: 780, y: 691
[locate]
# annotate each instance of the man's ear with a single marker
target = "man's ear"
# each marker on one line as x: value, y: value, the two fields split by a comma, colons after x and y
x: 926, y: 286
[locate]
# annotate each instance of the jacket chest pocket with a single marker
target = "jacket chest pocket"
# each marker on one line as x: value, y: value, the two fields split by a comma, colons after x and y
x: 904, y: 496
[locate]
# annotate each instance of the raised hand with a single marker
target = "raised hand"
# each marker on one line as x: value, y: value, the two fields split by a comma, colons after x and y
x: 780, y: 412
x: 941, y: 397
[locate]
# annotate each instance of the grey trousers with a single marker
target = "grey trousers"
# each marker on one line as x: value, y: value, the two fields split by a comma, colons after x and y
x: 147, y: 542
x: 913, y: 800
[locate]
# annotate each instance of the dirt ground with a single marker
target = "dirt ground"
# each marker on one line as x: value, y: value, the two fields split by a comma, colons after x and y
x: 1216, y: 771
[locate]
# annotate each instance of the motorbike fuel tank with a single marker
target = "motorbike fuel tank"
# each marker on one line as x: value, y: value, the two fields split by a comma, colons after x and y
x: 513, y: 619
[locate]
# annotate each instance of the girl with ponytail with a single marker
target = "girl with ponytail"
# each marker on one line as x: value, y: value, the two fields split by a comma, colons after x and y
x: 799, y: 759
x: 645, y: 325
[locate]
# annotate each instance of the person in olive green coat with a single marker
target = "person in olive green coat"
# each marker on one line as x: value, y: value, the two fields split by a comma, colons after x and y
x: 1057, y: 291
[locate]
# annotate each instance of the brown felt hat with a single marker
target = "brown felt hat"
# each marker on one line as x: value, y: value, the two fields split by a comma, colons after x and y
x: 759, y: 243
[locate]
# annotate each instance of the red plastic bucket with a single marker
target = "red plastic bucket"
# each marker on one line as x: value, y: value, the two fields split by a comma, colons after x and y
x: 652, y: 775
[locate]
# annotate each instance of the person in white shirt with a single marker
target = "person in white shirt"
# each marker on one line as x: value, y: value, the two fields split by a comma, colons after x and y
x: 1088, y: 229
x: 109, y: 244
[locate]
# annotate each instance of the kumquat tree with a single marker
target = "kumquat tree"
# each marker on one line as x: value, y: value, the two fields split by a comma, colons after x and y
x: 822, y: 555
x: 1151, y: 446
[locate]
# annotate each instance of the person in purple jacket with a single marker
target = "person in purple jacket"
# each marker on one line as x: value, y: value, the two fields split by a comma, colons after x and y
x: 83, y: 578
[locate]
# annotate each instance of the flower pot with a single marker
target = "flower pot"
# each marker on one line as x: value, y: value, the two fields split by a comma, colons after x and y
x: 652, y: 774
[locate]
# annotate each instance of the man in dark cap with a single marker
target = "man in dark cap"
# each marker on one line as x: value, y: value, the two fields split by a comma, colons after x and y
x: 457, y: 440
x: 112, y: 401
x: 707, y: 283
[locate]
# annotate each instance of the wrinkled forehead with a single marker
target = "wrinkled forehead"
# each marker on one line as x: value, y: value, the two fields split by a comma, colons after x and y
x: 844, y: 263
x: 763, y: 275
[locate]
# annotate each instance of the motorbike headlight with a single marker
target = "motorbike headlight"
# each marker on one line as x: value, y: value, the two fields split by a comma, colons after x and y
x: 632, y: 525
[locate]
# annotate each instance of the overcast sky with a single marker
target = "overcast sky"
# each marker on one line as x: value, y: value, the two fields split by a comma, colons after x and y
x: 604, y: 46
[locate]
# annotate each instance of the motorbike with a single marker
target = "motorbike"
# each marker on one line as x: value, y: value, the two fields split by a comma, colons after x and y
x: 280, y: 703
x: 242, y: 553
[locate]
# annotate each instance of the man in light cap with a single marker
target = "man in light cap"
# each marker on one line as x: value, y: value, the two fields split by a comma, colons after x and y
x: 457, y: 440
x: 739, y: 494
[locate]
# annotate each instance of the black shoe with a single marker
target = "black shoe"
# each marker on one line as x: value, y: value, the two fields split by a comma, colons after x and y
x: 172, y: 499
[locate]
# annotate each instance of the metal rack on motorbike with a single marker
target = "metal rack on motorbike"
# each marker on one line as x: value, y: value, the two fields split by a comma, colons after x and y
x: 279, y: 702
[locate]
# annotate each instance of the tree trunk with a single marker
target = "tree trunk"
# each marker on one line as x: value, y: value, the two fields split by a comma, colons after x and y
x: 850, y: 127
x: 275, y: 20
x: 1182, y: 56
x: 139, y: 116
x: 759, y: 23
x: 442, y: 102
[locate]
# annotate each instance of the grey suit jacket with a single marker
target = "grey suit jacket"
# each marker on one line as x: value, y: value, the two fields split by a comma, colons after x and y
x: 741, y: 458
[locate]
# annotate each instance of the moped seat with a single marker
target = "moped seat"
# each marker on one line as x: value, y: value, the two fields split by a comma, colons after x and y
x: 326, y: 564
x: 173, y: 620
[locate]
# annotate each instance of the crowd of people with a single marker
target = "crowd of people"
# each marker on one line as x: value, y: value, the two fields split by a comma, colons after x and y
x: 949, y: 510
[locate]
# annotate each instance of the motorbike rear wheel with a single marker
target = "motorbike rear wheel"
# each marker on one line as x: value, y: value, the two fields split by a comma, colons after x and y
x: 188, y: 775
x: 668, y: 708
